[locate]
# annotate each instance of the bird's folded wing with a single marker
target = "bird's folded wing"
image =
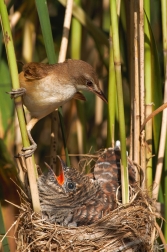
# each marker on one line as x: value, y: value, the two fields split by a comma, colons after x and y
x: 33, y: 71
x: 79, y: 96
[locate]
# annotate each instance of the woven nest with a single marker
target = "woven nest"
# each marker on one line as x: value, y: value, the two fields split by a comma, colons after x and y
x: 130, y: 227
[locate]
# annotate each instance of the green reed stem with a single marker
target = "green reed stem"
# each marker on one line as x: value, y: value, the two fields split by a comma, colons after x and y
x: 31, y: 168
x: 117, y: 63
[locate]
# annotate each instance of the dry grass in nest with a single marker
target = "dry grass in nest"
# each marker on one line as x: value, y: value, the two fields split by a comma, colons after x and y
x: 128, y: 228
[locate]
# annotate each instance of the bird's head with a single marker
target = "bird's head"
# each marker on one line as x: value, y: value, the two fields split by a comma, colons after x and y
x: 84, y: 77
x: 70, y: 179
x: 68, y: 182
x: 71, y: 187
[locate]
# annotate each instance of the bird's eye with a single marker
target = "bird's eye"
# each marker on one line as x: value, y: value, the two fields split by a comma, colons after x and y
x: 89, y: 83
x: 71, y: 185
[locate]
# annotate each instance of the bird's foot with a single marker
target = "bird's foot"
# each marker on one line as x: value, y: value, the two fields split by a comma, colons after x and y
x: 28, y: 151
x: 17, y: 92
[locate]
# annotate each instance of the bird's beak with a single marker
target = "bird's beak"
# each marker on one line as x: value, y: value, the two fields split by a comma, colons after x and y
x: 100, y: 94
x: 59, y: 179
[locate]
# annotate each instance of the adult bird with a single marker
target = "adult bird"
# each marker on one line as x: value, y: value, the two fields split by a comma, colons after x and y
x: 46, y: 87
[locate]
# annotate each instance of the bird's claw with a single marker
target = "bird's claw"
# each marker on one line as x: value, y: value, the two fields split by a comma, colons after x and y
x: 17, y: 92
x: 27, y: 151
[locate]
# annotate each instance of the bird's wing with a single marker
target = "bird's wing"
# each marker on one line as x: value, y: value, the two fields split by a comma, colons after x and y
x: 107, y: 166
x: 107, y: 169
x: 79, y: 96
x: 36, y: 70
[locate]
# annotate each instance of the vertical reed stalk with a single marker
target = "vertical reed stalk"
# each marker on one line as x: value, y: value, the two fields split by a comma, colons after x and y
x: 163, y: 137
x: 165, y: 192
x: 141, y: 79
x: 66, y: 29
x: 29, y: 38
x: 76, y: 28
x: 62, y: 57
x: 136, y: 78
x: 117, y: 63
x: 31, y: 169
x: 111, y: 96
x: 148, y: 97
x: 130, y: 36
x: 164, y: 115
x: 162, y: 144
x: 81, y: 16
x: 136, y: 101
x: 76, y: 36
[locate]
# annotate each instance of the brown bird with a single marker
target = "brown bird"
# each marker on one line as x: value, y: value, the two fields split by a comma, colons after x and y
x: 107, y: 170
x: 45, y: 87
x: 75, y: 199
x: 73, y: 202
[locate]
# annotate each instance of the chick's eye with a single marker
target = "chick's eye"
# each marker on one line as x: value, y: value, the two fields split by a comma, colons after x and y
x: 89, y: 83
x: 71, y: 186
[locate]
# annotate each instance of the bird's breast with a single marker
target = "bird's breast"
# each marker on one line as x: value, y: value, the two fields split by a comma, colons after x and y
x: 43, y: 96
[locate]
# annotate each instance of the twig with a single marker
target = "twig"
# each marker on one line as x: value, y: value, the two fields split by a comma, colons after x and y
x: 14, y: 204
x: 154, y: 113
x: 8, y: 231
x: 161, y: 236
x: 33, y: 242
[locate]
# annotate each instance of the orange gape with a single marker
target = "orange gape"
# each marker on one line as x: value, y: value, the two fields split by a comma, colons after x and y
x: 60, y: 178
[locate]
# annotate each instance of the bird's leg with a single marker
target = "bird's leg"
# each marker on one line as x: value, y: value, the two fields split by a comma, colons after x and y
x: 28, y: 151
x: 17, y: 92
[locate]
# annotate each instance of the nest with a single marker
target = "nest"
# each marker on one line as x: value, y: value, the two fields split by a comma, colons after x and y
x: 128, y: 228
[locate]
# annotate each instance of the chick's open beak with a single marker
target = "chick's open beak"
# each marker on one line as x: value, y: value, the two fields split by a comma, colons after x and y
x: 61, y: 177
